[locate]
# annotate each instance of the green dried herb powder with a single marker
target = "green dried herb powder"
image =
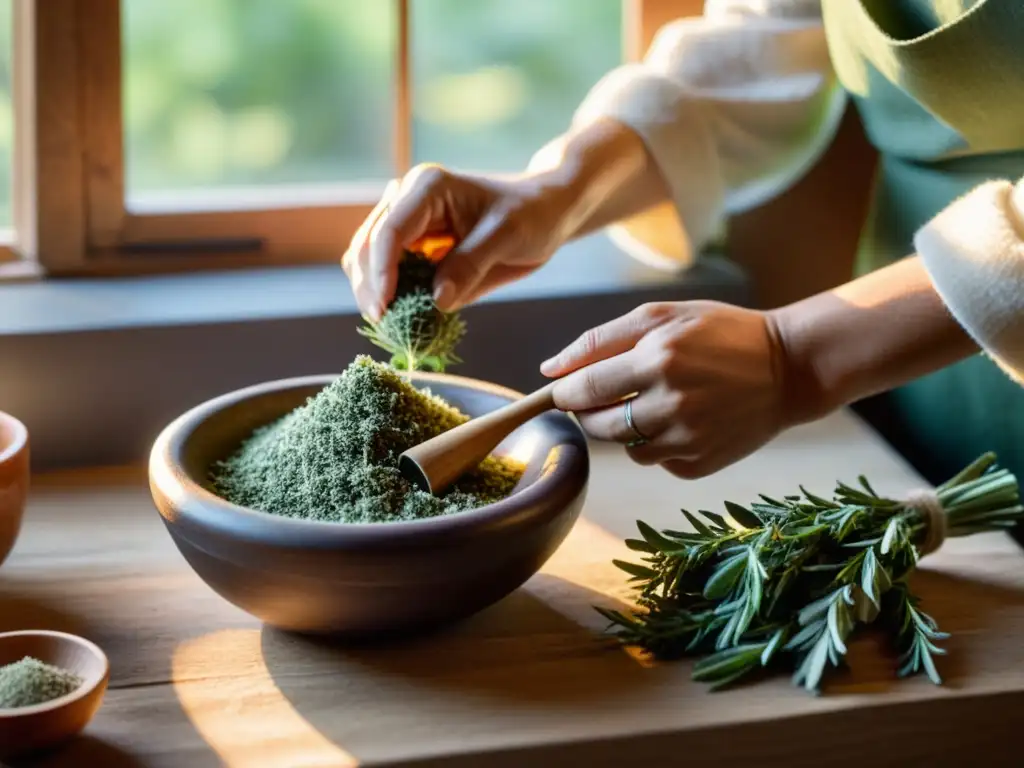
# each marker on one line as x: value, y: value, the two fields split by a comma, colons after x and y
x: 336, y: 457
x: 29, y: 681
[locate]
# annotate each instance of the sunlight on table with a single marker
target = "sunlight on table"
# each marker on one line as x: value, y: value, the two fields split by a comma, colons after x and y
x: 585, y: 560
x: 235, y: 658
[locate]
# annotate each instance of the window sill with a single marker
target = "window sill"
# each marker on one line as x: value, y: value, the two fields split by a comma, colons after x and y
x: 120, y: 357
x: 18, y: 272
x: 591, y: 267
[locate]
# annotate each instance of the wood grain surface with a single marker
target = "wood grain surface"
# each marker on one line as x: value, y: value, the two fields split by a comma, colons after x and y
x: 529, y: 682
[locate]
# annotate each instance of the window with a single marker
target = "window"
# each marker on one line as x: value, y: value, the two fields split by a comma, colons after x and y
x: 156, y: 135
x: 6, y: 132
x: 491, y: 102
x: 223, y: 95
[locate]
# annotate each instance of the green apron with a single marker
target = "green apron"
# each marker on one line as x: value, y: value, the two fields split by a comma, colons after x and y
x: 939, y: 85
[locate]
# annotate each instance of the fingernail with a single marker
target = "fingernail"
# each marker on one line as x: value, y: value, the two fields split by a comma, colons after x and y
x: 549, y: 366
x: 444, y: 294
x: 376, y: 313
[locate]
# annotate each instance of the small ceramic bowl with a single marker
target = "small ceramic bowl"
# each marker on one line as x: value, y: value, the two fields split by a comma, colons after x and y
x: 31, y: 729
x: 14, y: 478
x: 375, y: 578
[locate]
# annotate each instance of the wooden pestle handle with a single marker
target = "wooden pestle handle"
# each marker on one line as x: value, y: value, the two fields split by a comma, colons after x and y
x: 440, y: 461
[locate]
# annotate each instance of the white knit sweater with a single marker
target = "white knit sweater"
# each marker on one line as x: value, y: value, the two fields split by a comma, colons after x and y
x: 737, y: 104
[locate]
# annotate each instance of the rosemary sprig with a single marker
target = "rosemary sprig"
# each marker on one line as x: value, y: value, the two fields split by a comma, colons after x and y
x: 417, y: 334
x: 787, y: 582
x: 916, y: 636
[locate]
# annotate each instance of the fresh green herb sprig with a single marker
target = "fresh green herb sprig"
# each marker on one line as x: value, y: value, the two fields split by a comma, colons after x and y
x: 788, y: 581
x: 417, y: 334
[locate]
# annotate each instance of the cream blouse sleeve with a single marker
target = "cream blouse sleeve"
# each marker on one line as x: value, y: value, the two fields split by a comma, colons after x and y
x: 734, y: 106
x: 974, y: 253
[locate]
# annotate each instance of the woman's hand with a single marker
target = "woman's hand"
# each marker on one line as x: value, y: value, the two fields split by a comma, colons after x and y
x: 708, y: 380
x: 503, y: 229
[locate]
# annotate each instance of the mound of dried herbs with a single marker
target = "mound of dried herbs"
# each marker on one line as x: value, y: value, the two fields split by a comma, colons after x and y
x: 336, y: 457
x: 785, y: 583
x: 418, y: 335
x: 29, y: 682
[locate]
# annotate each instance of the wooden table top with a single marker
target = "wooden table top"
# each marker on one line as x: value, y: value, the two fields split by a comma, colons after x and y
x: 196, y: 682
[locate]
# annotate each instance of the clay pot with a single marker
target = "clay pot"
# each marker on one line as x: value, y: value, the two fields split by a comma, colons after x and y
x: 14, y: 480
x: 365, y: 579
x: 27, y: 730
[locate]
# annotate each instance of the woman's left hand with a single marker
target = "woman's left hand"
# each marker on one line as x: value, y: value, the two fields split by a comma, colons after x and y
x: 708, y: 380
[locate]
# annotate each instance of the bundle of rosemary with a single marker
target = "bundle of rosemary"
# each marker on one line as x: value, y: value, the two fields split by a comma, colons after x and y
x: 786, y: 582
x: 418, y: 335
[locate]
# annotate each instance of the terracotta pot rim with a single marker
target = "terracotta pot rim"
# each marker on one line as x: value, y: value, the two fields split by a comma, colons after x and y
x: 13, y: 448
x: 85, y: 690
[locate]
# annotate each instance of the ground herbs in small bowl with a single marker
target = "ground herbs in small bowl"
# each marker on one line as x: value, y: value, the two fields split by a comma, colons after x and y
x: 29, y: 682
x: 335, y: 458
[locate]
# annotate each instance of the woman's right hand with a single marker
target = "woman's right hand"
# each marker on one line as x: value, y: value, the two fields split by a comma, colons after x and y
x: 503, y: 229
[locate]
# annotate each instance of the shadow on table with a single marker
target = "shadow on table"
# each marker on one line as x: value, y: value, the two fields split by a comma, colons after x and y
x: 487, y: 654
x: 20, y: 612
x: 84, y: 751
x: 520, y: 652
x: 22, y: 608
x: 962, y: 606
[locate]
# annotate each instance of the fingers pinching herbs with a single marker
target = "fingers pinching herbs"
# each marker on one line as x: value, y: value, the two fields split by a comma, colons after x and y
x: 501, y: 229
x: 356, y: 258
x: 610, y: 339
x: 469, y: 264
x: 416, y: 209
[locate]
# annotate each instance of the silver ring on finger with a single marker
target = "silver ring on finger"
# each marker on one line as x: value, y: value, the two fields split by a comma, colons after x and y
x: 638, y: 437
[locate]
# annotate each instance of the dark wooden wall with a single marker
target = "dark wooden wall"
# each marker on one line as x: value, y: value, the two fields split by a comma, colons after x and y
x: 805, y: 241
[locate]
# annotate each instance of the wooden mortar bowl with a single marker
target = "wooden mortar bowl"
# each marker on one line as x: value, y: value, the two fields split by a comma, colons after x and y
x: 14, y: 479
x: 375, y: 578
x: 30, y: 729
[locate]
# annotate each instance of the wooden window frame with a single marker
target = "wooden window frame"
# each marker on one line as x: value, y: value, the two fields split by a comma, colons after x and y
x: 69, y: 203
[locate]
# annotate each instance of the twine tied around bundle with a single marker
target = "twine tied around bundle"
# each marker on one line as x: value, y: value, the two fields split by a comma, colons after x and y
x: 926, y: 501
